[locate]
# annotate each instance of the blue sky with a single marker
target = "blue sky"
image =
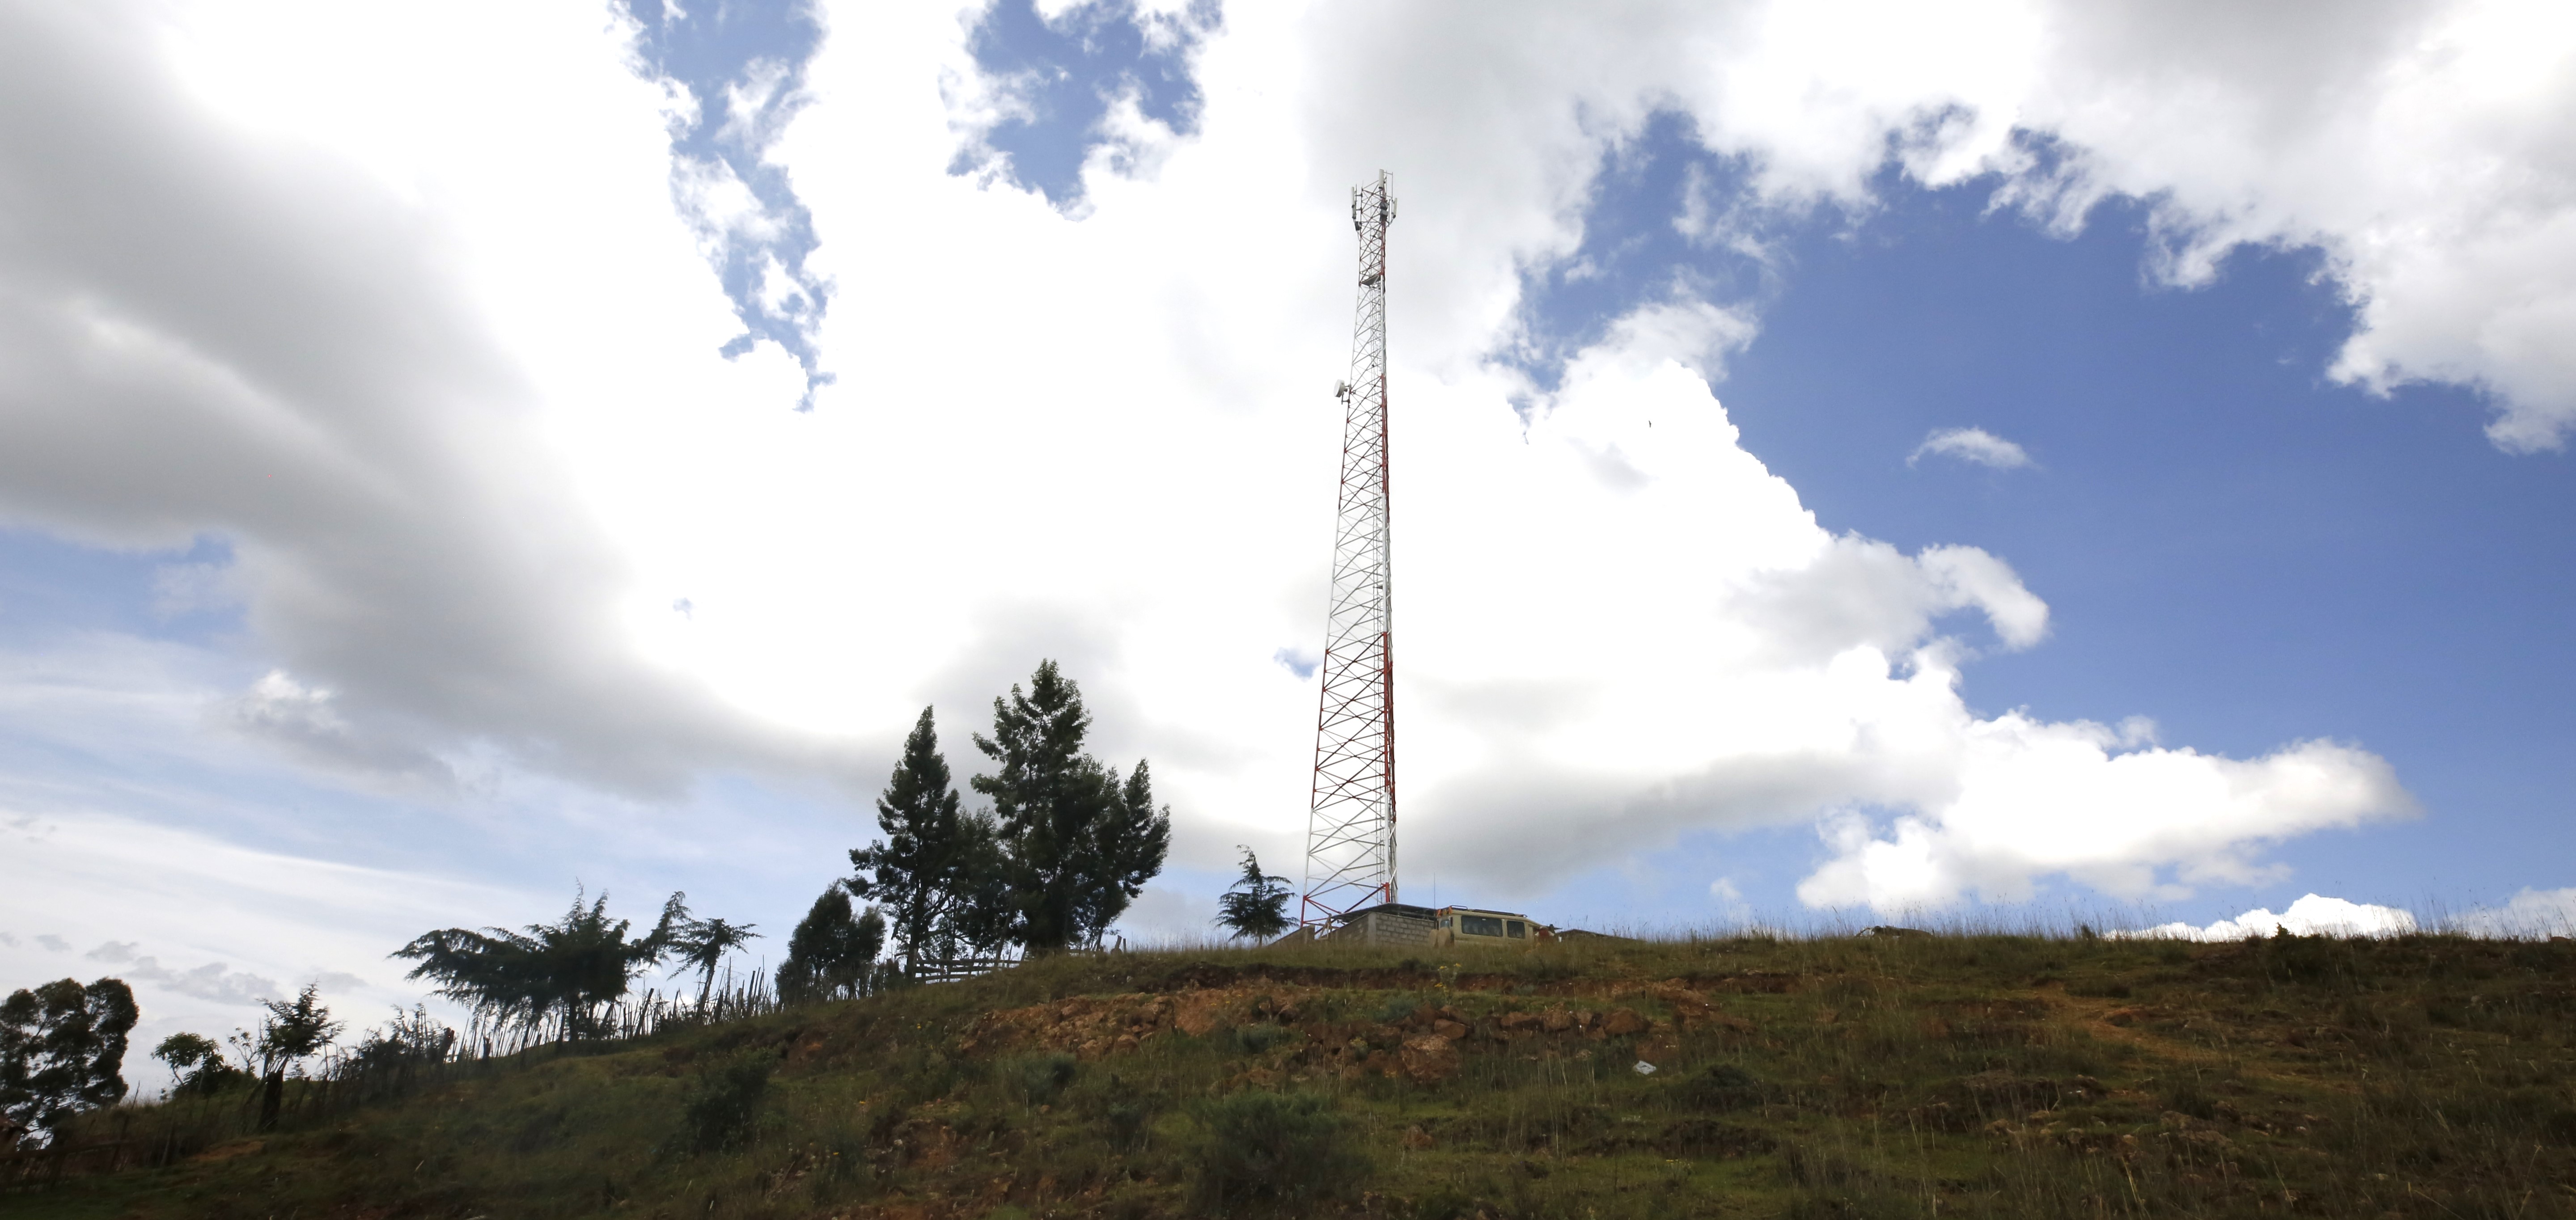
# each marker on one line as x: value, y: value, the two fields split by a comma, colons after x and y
x: 587, y: 479
x: 2231, y: 543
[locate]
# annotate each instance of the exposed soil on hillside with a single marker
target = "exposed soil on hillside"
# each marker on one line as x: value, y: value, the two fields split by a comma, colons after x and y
x: 2002, y: 1076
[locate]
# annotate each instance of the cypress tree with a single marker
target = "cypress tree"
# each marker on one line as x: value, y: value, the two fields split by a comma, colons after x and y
x: 1077, y: 845
x: 1255, y: 905
x: 934, y: 861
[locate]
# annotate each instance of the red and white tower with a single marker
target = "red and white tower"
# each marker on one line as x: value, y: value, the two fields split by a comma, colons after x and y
x: 1350, y: 827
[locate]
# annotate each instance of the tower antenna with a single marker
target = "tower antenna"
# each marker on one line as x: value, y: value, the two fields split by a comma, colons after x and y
x: 1350, y: 826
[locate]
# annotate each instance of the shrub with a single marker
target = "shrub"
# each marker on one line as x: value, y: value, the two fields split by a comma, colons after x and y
x: 1257, y: 1149
x: 1126, y: 1122
x: 1044, y: 1077
x: 1398, y: 1009
x: 1259, y: 1037
x: 1722, y: 1087
x: 723, y: 1112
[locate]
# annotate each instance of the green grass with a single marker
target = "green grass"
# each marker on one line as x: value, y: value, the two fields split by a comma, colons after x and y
x: 1965, y: 1075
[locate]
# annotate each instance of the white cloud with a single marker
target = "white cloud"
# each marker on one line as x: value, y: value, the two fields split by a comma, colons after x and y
x: 212, y: 982
x: 2423, y: 147
x: 441, y: 367
x: 2313, y: 915
x: 1165, y: 915
x: 1972, y: 445
x: 54, y: 944
x: 2032, y: 800
x: 2529, y: 913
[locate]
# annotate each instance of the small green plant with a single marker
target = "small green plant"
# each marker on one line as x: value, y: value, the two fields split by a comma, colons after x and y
x: 1722, y: 1087
x: 1126, y: 1122
x: 1259, y: 1037
x: 1042, y: 1079
x: 1258, y: 1150
x: 723, y: 1112
x: 1398, y: 1009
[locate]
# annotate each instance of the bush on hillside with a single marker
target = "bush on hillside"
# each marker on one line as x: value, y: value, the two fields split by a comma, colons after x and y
x: 1257, y: 1150
x: 1044, y: 1077
x: 723, y: 1111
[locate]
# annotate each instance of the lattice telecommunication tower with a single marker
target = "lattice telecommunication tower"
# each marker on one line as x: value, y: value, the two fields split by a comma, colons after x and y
x: 1350, y: 827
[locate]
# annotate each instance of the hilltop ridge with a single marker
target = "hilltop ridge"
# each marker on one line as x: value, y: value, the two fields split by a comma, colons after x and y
x: 1754, y: 1076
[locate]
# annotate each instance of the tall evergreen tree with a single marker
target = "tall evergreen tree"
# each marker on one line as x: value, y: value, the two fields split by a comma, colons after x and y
x: 1127, y: 847
x: 1255, y: 905
x: 1077, y: 843
x: 934, y: 862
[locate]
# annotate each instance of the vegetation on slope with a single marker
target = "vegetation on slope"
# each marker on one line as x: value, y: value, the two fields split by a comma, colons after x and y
x: 1906, y: 1076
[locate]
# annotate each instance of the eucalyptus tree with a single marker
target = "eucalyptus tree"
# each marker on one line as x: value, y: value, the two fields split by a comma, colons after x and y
x: 62, y: 1050
x: 196, y: 1064
x: 832, y: 954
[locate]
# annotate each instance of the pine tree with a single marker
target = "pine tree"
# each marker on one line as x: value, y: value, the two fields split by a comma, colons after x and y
x: 1128, y: 846
x: 1255, y: 905
x: 934, y: 861
x: 1077, y: 845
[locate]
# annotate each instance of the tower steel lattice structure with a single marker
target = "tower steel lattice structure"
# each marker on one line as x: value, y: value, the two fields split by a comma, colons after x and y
x: 1350, y: 827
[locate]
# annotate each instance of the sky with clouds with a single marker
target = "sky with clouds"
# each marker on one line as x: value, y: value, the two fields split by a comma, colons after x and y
x: 1854, y: 461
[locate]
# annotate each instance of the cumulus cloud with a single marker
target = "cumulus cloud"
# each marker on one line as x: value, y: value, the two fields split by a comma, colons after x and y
x: 442, y: 369
x: 2313, y: 915
x: 213, y: 982
x: 1857, y: 590
x: 2529, y: 913
x: 217, y: 329
x: 2034, y: 800
x: 2423, y: 147
x: 1972, y: 445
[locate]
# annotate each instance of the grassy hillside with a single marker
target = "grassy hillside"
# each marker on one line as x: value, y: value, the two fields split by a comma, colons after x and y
x: 1915, y: 1076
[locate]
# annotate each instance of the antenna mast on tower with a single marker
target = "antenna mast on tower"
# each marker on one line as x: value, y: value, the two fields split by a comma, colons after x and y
x: 1350, y: 827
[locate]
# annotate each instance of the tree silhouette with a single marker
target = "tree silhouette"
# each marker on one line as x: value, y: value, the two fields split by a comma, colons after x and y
x: 703, y: 945
x: 831, y: 954
x: 291, y: 1033
x: 1077, y: 844
x: 935, y: 865
x: 62, y: 1050
x: 197, y: 1063
x: 570, y: 967
x: 1255, y: 905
